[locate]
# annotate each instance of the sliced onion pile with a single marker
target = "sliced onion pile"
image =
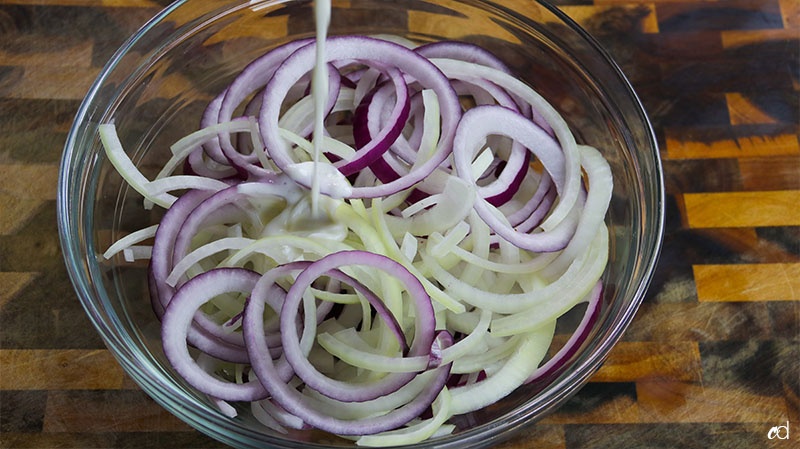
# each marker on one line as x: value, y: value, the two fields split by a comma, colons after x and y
x: 458, y: 220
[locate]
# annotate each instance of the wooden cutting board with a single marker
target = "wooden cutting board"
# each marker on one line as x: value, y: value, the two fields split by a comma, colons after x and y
x: 711, y: 360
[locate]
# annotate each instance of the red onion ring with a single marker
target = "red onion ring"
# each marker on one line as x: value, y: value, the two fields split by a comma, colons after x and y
x: 423, y: 329
x: 578, y: 337
x: 177, y: 321
x: 475, y: 126
x: 370, y: 51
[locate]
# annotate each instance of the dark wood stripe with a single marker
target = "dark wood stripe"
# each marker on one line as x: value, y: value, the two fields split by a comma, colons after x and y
x: 727, y: 15
x: 101, y: 411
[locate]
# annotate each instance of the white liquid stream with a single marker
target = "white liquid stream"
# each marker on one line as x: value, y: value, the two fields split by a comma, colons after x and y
x: 319, y: 92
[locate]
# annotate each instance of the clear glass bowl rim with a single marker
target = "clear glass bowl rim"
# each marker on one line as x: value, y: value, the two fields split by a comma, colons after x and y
x: 196, y: 413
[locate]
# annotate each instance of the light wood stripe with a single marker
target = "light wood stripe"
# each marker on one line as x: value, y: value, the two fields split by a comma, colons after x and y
x: 751, y: 282
x: 743, y: 209
x: 78, y: 54
x: 743, y: 112
x: 24, y: 189
x: 632, y: 361
x: 682, y: 402
x: 29, y: 180
x: 263, y: 28
x: 51, y: 82
x: 12, y: 283
x: 17, y: 212
x: 67, y: 369
x: 651, y: 3
x: 428, y: 23
x: 790, y: 11
x: 681, y: 145
x: 737, y: 38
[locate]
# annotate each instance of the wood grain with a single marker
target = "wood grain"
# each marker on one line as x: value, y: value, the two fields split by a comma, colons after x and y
x: 684, y: 402
x: 743, y: 209
x: 775, y: 173
x: 68, y: 369
x: 101, y: 411
x: 748, y: 282
x: 742, y: 111
x: 729, y: 142
x: 643, y: 360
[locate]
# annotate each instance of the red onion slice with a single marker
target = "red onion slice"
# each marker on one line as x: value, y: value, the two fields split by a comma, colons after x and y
x: 578, y: 337
x: 370, y: 51
x: 177, y: 320
x: 316, y: 413
x: 371, y: 147
x: 424, y: 323
x: 482, y: 121
x: 251, y: 79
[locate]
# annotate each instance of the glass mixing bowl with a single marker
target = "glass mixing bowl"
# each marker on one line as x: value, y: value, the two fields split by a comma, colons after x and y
x: 155, y: 88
